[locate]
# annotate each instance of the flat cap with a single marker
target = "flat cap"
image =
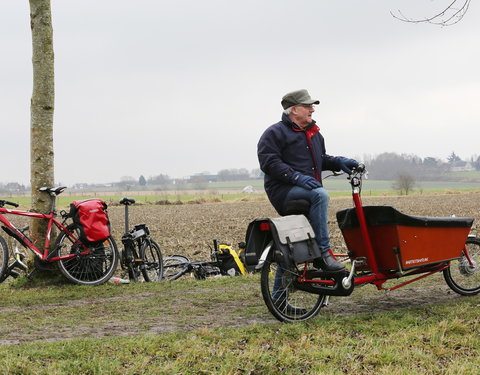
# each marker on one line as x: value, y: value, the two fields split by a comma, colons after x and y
x: 297, y: 97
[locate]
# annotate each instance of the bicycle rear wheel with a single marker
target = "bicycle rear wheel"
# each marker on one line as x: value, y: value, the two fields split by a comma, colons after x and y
x: 94, y: 268
x: 3, y: 259
x: 283, y: 300
x: 151, y: 255
x: 462, y: 276
x: 175, y: 266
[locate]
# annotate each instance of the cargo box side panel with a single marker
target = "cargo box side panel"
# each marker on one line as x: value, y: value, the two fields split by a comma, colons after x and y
x: 420, y: 245
x: 384, y: 240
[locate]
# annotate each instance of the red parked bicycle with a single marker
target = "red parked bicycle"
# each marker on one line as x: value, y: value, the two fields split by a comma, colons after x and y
x: 80, y: 262
x: 383, y: 244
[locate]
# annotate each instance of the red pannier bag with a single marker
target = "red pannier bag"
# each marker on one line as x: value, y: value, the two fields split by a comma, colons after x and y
x: 90, y: 216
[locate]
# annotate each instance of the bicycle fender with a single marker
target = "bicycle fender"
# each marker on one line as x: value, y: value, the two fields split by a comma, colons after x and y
x: 264, y: 256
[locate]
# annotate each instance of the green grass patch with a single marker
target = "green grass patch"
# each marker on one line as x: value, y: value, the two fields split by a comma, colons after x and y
x: 470, y: 175
x: 442, y: 338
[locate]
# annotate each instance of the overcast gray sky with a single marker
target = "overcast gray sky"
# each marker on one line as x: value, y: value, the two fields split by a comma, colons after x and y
x: 180, y: 87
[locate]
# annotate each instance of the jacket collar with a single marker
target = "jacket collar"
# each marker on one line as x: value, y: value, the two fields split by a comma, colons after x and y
x: 288, y: 122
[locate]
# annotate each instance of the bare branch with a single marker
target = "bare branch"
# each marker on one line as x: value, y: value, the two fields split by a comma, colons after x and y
x: 449, y: 16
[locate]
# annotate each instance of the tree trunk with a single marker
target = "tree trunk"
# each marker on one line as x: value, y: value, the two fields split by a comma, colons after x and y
x: 42, y: 107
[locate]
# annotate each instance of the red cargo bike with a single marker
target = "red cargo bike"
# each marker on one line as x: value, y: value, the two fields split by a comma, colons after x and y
x: 383, y: 244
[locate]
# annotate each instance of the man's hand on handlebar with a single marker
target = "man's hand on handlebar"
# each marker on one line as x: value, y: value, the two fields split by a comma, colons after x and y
x: 347, y: 164
x: 360, y: 168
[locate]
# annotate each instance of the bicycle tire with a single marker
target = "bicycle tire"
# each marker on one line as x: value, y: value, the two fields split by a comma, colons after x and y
x: 3, y: 259
x: 463, y: 277
x: 94, y: 268
x: 175, y: 266
x: 285, y: 302
x: 127, y: 259
x: 152, y: 268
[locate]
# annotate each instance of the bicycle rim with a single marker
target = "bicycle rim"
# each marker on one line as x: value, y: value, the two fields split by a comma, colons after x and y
x: 283, y: 300
x: 175, y: 266
x: 94, y: 268
x: 151, y: 256
x: 462, y: 276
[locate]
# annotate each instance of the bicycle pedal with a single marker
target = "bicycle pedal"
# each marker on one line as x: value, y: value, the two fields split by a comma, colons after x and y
x: 31, y: 274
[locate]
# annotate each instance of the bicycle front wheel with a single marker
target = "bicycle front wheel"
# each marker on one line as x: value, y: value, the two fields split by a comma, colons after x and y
x: 3, y: 259
x: 93, y: 268
x: 463, y: 275
x: 175, y: 266
x: 283, y: 300
x: 151, y: 255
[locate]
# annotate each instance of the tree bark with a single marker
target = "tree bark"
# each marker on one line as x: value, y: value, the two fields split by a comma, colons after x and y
x: 42, y: 108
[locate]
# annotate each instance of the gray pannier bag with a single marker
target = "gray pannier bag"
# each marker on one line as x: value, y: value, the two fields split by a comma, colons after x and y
x: 292, y: 236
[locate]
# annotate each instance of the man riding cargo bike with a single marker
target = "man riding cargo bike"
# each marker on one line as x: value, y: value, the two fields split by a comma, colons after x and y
x: 292, y: 155
x: 298, y: 271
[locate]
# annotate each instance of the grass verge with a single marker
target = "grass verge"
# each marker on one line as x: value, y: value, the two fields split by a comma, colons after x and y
x: 439, y: 338
x: 435, y: 340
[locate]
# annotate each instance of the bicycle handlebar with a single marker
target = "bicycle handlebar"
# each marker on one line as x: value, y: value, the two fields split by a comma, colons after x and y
x: 4, y: 202
x: 360, y: 168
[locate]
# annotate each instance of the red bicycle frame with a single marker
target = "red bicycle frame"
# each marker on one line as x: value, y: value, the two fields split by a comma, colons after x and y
x: 44, y: 255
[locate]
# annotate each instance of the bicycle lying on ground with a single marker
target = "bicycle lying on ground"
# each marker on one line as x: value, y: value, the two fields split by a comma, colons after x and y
x: 224, y: 261
x: 81, y: 262
x: 383, y: 244
x: 140, y: 256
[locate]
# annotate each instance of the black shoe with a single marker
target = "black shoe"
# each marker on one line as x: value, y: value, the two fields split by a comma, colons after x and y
x: 327, y: 263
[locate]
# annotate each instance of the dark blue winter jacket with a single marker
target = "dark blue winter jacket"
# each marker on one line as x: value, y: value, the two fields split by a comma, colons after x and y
x: 285, y: 148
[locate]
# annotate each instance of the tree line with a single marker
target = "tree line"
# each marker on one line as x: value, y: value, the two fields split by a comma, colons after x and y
x: 387, y: 166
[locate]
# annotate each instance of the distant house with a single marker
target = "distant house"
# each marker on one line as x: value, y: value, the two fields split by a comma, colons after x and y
x: 462, y: 166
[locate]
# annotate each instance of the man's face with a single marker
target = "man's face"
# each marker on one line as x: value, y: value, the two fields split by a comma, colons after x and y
x: 302, y: 114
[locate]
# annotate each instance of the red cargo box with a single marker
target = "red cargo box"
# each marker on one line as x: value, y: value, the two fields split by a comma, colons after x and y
x: 417, y: 240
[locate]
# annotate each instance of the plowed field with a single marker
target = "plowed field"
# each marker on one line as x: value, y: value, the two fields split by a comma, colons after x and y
x: 188, y: 229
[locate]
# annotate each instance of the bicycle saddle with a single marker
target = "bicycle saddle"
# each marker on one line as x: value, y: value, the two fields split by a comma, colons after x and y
x: 127, y: 201
x: 53, y: 190
x: 297, y: 207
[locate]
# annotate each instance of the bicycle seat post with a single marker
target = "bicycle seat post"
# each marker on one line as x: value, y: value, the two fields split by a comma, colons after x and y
x: 126, y: 202
x: 126, y: 218
x: 53, y: 197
